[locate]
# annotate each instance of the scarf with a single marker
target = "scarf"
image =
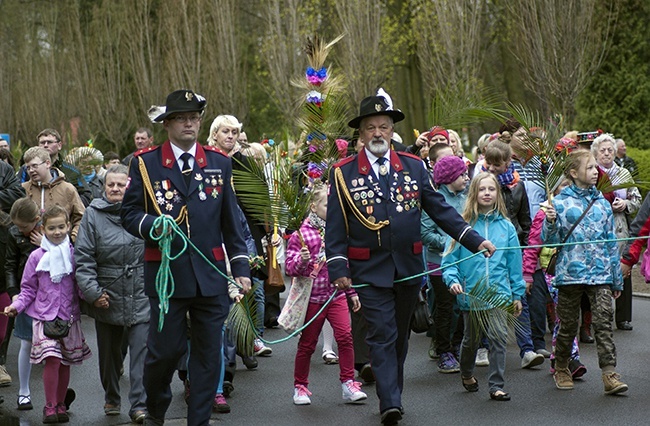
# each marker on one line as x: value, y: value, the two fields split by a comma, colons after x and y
x: 509, y: 178
x: 57, y: 259
x: 319, y: 224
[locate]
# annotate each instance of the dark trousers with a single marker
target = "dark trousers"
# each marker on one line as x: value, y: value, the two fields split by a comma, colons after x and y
x: 443, y: 317
x: 537, y: 308
x: 624, y: 302
x: 167, y: 346
x: 359, y: 332
x: 109, y: 352
x: 388, y: 313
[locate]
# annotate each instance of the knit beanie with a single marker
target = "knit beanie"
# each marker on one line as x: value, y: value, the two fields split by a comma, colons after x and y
x: 447, y: 169
x: 437, y: 130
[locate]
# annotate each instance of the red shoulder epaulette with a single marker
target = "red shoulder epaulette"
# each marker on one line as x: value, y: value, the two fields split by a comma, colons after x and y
x: 214, y: 149
x: 145, y: 150
x: 408, y: 154
x: 345, y: 161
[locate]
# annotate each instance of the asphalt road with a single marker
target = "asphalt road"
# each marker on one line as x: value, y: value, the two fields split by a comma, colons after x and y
x: 264, y: 396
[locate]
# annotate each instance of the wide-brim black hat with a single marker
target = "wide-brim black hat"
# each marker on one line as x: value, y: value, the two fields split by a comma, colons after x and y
x: 375, y: 105
x: 181, y: 101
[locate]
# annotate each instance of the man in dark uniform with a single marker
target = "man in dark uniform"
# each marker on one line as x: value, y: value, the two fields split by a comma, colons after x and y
x: 191, y: 184
x: 373, y: 237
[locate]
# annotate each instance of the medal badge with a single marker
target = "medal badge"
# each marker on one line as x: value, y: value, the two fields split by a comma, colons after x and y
x: 383, y: 170
x: 371, y: 219
x: 166, y: 185
x: 399, y: 208
x: 198, y: 177
x: 202, y: 195
x: 156, y: 185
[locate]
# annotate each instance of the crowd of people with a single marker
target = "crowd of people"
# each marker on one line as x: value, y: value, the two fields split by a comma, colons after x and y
x: 82, y: 236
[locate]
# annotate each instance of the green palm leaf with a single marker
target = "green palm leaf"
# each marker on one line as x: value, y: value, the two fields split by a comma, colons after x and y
x: 490, y: 311
x: 240, y: 323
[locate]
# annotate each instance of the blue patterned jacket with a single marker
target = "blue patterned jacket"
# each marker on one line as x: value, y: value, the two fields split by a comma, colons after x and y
x: 591, y: 264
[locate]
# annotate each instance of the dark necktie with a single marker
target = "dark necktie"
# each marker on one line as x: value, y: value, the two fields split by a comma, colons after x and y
x: 383, y: 177
x: 187, y: 170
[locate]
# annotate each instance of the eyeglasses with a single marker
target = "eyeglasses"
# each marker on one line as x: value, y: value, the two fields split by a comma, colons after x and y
x: 33, y: 166
x: 185, y: 118
x: 47, y: 142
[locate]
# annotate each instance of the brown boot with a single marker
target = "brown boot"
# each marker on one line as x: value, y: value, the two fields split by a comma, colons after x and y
x: 585, y: 328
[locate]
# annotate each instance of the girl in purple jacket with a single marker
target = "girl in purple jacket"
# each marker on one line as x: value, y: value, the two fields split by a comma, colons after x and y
x: 48, y: 290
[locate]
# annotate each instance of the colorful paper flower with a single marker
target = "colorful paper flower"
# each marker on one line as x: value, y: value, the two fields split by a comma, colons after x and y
x: 316, y: 77
x: 566, y: 146
x: 315, y: 98
x: 342, y: 147
x: 314, y: 171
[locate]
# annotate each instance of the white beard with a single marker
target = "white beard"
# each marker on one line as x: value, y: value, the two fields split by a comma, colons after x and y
x: 378, y: 147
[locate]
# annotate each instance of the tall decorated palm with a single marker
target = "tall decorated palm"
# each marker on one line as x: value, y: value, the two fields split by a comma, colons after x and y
x: 277, y: 191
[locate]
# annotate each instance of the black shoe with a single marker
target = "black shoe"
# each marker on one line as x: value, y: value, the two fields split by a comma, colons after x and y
x: 366, y: 374
x: 391, y: 417
x: 625, y: 326
x: 70, y: 396
x: 501, y: 396
x: 272, y: 322
x: 152, y: 421
x: 250, y: 362
x: 577, y: 368
x: 585, y: 336
x: 228, y: 388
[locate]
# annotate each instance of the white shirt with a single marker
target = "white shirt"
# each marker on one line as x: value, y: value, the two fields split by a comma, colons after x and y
x: 372, y: 158
x: 178, y: 152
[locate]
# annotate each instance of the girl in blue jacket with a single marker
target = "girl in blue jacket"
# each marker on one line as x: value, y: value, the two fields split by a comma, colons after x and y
x: 485, y: 210
x: 591, y: 269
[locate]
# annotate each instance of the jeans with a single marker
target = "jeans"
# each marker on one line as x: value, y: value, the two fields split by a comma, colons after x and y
x: 258, y: 296
x: 497, y: 337
x: 523, y: 334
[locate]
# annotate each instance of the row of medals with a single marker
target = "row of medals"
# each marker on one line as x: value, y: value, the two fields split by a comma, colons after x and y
x: 383, y: 171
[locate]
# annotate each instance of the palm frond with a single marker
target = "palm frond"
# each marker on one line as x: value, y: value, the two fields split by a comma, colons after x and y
x: 457, y: 107
x: 240, y: 323
x: 491, y: 311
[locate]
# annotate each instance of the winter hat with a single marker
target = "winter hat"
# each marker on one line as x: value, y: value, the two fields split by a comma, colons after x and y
x: 447, y: 169
x: 437, y: 130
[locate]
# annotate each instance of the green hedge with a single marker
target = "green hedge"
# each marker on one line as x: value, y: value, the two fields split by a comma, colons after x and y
x: 642, y: 158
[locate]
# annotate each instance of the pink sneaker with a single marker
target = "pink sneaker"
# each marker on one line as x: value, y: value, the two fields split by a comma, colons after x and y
x: 49, y: 414
x: 301, y: 395
x: 62, y: 413
x: 220, y: 405
x: 260, y: 349
x: 352, y: 392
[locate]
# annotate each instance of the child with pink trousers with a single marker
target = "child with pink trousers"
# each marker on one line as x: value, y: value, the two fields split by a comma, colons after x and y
x: 49, y: 290
x: 306, y: 258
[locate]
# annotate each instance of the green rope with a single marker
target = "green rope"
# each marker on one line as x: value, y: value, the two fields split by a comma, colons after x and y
x: 168, y: 230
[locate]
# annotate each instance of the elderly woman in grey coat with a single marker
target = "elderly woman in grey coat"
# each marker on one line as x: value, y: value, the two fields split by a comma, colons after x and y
x: 110, y: 264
